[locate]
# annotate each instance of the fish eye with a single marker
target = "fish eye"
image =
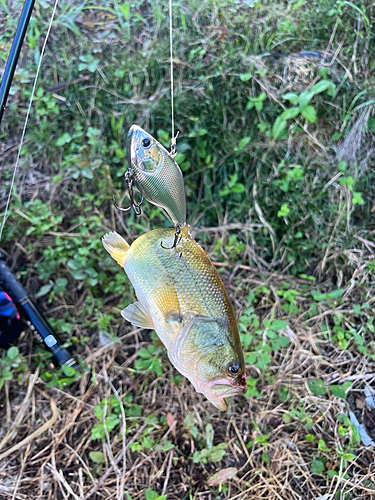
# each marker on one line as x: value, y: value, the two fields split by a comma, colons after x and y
x: 146, y: 143
x: 233, y: 369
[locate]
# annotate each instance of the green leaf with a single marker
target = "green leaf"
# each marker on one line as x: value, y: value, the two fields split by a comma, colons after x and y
x: 278, y: 127
x: 316, y: 386
x: 43, y: 291
x: 263, y: 361
x: 286, y: 418
x: 295, y: 174
x: 283, y: 394
x: 151, y: 495
x: 74, y: 265
x: 147, y: 443
x: 308, y: 112
x: 291, y: 97
x: 97, y: 457
x: 317, y: 466
x: 357, y: 199
x: 68, y: 370
x: 244, y: 142
x: 13, y: 353
x: 92, y: 66
x: 86, y: 172
x: 322, y: 86
x: 246, y: 76
x: 336, y: 294
x: 278, y: 325
x: 319, y: 297
x: 279, y: 343
x: 305, y: 97
x: 340, y: 390
x: 348, y: 456
x: 61, y: 282
x: 93, y: 132
x: 80, y: 274
x: 238, y: 188
x: 64, y: 139
x: 125, y: 9
x: 371, y: 124
x: 87, y: 58
x: 216, y: 454
x: 90, y: 271
x: 290, y: 113
x: 284, y: 210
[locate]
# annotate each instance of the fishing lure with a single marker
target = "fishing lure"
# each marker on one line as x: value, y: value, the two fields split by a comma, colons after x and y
x: 181, y: 297
x: 157, y: 176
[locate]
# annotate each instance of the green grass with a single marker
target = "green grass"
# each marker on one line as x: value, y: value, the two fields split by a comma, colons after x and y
x: 276, y: 156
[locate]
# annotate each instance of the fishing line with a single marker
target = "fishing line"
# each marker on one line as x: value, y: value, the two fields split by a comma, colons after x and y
x: 173, y: 138
x: 27, y: 118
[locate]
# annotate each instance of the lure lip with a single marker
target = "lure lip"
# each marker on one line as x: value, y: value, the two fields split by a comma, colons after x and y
x: 133, y: 148
x: 132, y: 158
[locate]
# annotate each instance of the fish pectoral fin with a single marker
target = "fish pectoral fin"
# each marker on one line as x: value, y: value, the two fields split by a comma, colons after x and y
x: 138, y: 315
x: 166, y: 298
x: 175, y: 349
x: 116, y: 246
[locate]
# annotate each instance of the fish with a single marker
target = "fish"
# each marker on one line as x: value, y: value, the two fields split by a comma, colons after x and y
x: 182, y: 297
x: 156, y: 174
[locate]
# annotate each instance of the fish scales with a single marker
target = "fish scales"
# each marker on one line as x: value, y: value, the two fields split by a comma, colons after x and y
x: 182, y: 297
x: 193, y: 277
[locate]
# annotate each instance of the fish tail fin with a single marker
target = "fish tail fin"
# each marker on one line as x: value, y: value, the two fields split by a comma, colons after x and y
x: 116, y: 246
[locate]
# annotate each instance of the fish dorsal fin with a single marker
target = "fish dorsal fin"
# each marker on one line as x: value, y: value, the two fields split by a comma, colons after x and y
x: 138, y: 315
x: 116, y: 246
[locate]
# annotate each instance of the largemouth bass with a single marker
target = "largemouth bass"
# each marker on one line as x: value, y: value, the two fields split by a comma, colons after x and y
x: 181, y: 297
x: 156, y: 175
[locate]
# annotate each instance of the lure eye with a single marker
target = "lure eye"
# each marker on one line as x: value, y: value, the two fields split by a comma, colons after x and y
x: 233, y: 369
x: 146, y: 143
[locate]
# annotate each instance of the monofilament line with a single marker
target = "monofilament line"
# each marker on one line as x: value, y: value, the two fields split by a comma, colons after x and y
x: 171, y: 51
x: 27, y: 118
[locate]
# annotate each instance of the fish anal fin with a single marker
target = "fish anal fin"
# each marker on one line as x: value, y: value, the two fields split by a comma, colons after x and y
x: 138, y: 315
x: 116, y: 246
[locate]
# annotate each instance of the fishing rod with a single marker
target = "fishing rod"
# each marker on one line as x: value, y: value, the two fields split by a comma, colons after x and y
x: 14, y: 54
x: 33, y: 317
x: 14, y: 297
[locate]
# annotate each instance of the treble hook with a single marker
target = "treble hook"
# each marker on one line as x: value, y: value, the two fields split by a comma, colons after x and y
x: 136, y: 206
x: 177, y: 238
x: 173, y: 152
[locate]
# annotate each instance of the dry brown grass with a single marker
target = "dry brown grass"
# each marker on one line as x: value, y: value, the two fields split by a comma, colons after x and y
x: 45, y: 432
x: 56, y: 462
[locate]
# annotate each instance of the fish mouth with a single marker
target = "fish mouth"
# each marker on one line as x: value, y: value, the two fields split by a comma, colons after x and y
x: 238, y: 384
x: 228, y: 389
